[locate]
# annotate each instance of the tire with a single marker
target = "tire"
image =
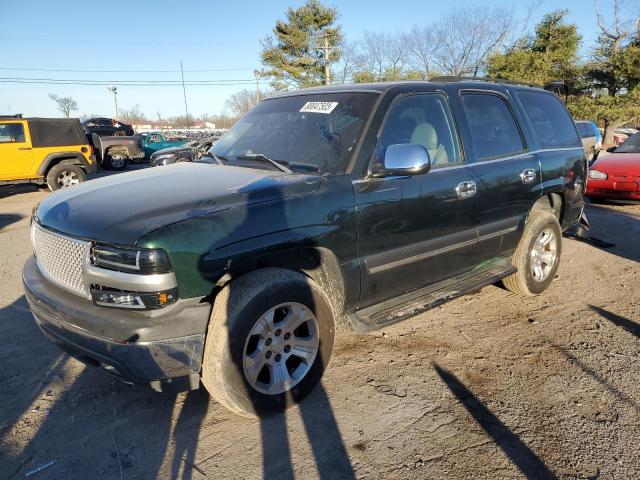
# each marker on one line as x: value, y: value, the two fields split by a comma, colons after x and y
x: 116, y: 161
x: 231, y: 338
x: 119, y: 133
x: 182, y: 160
x: 64, y: 175
x: 536, y: 272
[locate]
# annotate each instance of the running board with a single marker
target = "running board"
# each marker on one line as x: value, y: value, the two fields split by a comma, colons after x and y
x: 413, y: 303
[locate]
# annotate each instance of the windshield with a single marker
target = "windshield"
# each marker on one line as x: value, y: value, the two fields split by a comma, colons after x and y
x: 312, y: 133
x: 632, y: 145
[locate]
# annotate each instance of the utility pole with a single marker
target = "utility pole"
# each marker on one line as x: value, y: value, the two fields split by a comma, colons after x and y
x: 114, y: 90
x: 258, y: 74
x: 325, y: 56
x: 184, y: 93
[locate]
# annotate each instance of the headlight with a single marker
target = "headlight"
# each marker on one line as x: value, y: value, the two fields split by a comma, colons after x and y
x: 143, y: 261
x: 597, y: 175
x: 134, y: 300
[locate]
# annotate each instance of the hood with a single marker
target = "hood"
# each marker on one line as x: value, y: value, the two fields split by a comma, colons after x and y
x: 623, y: 163
x: 121, y: 208
x: 164, y: 151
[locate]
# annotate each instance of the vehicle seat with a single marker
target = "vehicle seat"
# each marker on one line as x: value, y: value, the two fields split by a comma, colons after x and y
x: 424, y: 134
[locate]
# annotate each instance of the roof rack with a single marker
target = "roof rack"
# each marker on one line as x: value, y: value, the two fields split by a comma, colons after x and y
x: 453, y: 78
x: 17, y: 115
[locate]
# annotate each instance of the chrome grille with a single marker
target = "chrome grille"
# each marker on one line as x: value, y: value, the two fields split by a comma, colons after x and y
x: 60, y: 259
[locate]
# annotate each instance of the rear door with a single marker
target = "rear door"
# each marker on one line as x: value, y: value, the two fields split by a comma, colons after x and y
x: 508, y: 171
x: 16, y: 155
x: 417, y: 230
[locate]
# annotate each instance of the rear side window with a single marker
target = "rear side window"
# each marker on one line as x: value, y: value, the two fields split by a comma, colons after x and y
x: 585, y: 130
x: 550, y: 119
x: 56, y: 133
x: 494, y: 130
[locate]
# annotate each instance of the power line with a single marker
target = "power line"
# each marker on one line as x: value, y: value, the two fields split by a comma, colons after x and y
x: 74, y: 70
x: 139, y: 84
x: 66, y: 81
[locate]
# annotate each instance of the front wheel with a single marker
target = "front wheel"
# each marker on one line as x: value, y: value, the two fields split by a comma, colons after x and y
x: 269, y: 341
x: 538, y: 255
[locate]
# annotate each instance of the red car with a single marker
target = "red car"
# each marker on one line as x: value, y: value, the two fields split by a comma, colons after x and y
x: 617, y: 175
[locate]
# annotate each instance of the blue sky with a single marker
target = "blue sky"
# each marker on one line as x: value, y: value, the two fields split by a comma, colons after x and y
x: 156, y: 35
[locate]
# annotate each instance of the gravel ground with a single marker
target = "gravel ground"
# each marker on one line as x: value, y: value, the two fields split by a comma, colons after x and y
x: 488, y: 386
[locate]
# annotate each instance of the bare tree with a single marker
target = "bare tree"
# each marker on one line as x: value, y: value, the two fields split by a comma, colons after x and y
x: 423, y: 46
x: 348, y: 62
x: 466, y: 37
x: 621, y: 29
x: 134, y: 116
x: 372, y: 49
x: 65, y: 104
x: 241, y: 102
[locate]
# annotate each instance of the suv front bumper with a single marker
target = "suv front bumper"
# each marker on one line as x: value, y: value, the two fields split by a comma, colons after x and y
x: 161, y: 349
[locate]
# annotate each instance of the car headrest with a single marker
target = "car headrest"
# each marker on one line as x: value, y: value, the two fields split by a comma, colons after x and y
x: 424, y: 134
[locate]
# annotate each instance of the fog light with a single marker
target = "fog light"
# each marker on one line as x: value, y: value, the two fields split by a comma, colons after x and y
x: 134, y: 300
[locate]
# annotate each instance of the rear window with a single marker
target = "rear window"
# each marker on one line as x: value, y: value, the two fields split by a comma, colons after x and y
x: 494, y: 131
x: 551, y: 121
x: 56, y: 133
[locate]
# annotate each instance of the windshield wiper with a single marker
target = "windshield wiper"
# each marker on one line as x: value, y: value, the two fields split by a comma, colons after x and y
x: 279, y: 164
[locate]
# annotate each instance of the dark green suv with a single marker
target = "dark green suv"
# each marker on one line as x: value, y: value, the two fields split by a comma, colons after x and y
x: 346, y: 207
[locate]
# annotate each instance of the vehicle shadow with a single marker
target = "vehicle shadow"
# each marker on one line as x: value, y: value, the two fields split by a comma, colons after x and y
x: 11, y: 190
x: 7, y: 219
x: 275, y: 306
x: 620, y: 228
x: 529, y: 464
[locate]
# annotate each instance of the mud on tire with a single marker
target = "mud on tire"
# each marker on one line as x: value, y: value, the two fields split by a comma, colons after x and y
x: 230, y: 338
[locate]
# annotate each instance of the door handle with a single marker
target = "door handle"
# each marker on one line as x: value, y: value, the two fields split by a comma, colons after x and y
x: 528, y: 176
x: 24, y: 148
x: 466, y: 189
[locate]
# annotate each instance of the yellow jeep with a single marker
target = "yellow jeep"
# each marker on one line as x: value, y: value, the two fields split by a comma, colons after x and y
x: 51, y: 151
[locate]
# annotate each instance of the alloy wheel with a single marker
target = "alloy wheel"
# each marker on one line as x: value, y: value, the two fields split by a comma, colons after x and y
x: 281, y: 348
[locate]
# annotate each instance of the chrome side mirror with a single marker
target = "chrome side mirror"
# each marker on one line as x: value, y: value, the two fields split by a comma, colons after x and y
x: 405, y: 159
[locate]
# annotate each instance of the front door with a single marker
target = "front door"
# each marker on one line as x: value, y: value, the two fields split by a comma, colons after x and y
x: 16, y: 156
x: 417, y: 230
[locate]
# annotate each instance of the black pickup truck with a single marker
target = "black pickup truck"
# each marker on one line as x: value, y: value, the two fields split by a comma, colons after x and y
x: 339, y: 207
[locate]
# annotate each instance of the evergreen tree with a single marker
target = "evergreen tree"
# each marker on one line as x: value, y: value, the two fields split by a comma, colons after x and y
x: 303, y: 47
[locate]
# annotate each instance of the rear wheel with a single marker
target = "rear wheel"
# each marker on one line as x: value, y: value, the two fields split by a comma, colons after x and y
x: 116, y: 161
x: 269, y: 341
x: 64, y: 175
x: 538, y: 255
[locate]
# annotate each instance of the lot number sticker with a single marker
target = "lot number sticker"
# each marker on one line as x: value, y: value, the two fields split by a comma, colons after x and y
x: 319, y: 107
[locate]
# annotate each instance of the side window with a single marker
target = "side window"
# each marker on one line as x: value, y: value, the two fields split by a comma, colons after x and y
x: 425, y: 120
x: 494, y: 130
x: 12, y: 133
x: 550, y: 119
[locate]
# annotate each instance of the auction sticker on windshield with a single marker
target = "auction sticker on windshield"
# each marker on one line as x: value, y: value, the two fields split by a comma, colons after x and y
x: 319, y: 107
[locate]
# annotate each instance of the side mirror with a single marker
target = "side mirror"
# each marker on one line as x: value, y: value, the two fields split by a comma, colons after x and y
x: 404, y: 159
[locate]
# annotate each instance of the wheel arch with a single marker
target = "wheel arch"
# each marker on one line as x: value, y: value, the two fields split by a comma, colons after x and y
x: 553, y: 202
x: 54, y: 159
x: 319, y: 264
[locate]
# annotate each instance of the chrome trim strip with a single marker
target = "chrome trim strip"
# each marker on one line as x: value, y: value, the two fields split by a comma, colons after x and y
x: 484, y: 162
x: 133, y: 282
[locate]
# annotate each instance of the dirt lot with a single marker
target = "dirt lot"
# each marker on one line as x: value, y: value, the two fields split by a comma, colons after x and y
x: 488, y: 386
